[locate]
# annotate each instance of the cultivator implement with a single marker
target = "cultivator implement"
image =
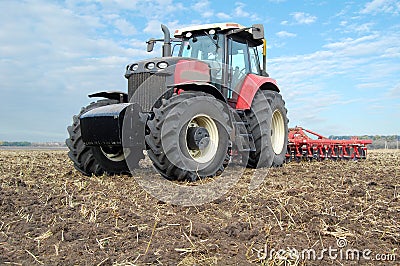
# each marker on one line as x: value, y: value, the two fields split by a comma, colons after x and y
x: 304, y: 144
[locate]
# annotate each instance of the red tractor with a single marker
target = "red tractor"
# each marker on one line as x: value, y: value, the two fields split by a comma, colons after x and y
x: 191, y: 113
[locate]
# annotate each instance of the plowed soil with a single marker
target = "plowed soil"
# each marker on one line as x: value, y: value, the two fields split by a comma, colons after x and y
x: 50, y: 214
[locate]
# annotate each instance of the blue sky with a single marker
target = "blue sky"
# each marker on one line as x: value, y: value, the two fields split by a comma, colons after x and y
x: 337, y: 62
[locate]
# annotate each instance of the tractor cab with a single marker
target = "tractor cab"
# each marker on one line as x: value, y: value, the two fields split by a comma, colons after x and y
x: 230, y: 50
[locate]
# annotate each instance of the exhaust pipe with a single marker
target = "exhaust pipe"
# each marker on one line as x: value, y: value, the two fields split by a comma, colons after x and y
x: 166, y: 48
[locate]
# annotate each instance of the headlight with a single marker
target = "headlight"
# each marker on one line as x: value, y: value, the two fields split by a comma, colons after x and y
x: 134, y: 67
x: 162, y: 65
x: 150, y: 66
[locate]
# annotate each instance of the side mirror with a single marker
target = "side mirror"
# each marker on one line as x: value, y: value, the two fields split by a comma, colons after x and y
x: 258, y: 31
x: 150, y: 45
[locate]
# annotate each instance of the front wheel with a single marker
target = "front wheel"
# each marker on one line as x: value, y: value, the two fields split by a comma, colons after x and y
x: 97, y: 160
x: 188, y: 137
x: 111, y: 159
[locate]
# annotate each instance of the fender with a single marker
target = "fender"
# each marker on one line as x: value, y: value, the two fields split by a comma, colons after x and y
x: 200, y: 86
x: 120, y: 96
x: 105, y: 125
x: 249, y: 88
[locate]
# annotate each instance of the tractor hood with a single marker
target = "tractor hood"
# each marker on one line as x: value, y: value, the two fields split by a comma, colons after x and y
x: 149, y: 80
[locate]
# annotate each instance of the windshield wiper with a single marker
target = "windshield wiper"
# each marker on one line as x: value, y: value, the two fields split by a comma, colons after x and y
x: 212, y: 39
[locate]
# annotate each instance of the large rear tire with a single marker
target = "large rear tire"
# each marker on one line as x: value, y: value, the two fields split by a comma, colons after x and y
x: 94, y: 160
x: 170, y: 142
x: 268, y: 124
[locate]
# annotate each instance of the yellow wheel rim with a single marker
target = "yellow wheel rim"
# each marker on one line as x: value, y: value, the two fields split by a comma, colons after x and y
x: 206, y: 155
x: 278, y: 132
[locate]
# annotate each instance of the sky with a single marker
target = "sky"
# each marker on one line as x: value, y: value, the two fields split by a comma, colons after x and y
x: 337, y: 62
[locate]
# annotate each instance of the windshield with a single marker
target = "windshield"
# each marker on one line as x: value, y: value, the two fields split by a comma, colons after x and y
x: 204, y: 47
x: 207, y: 48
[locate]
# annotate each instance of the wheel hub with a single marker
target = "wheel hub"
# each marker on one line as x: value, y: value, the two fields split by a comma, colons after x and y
x: 202, y: 138
x: 115, y: 154
x: 197, y: 138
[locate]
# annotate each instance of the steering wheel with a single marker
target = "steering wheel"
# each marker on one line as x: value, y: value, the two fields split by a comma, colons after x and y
x: 241, y: 73
x: 237, y: 75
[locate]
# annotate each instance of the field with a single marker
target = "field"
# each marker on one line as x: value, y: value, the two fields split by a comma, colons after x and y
x: 347, y: 212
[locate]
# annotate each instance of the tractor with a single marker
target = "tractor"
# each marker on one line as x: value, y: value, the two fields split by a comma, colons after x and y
x: 190, y: 113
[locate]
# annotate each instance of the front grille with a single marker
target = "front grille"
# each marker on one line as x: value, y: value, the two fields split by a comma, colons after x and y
x: 146, y: 89
x: 135, y: 80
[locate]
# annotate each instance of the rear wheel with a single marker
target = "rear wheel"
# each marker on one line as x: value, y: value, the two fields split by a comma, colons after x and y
x: 188, y: 137
x: 268, y: 123
x: 279, y: 127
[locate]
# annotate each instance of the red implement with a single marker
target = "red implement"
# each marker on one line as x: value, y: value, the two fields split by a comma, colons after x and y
x: 315, y: 146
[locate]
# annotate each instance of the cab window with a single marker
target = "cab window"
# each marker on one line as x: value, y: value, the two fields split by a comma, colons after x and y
x: 254, y: 61
x: 238, y: 61
x: 207, y: 48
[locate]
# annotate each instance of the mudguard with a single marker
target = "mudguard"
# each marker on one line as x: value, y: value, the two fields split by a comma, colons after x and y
x: 105, y: 125
x: 250, y: 85
x: 120, y: 96
x: 200, y: 86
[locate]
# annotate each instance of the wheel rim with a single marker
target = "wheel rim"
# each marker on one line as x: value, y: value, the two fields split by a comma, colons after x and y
x: 277, y: 132
x: 113, y: 154
x: 208, y: 153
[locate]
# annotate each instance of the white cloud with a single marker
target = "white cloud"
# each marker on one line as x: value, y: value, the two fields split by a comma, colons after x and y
x: 153, y: 27
x: 285, y: 34
x: 149, y: 9
x: 222, y: 15
x: 202, y: 5
x: 303, y: 18
x: 394, y: 92
x: 391, y: 52
x: 363, y: 28
x: 207, y: 14
x: 381, y: 6
x: 348, y: 43
x: 204, y: 9
x: 240, y: 12
x: 117, y: 4
x: 124, y: 27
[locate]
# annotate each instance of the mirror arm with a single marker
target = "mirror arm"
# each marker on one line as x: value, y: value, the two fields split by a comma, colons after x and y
x: 265, y: 55
x: 153, y: 41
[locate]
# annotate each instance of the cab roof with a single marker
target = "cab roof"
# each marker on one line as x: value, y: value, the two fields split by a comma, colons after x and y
x: 220, y: 26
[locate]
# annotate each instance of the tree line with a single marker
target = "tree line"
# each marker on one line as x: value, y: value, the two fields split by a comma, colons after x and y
x: 15, y: 143
x: 378, y: 141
